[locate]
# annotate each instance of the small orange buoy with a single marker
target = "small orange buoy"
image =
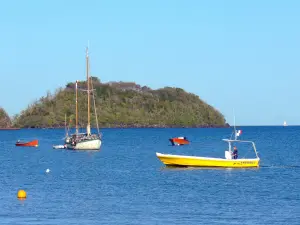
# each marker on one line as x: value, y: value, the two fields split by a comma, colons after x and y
x: 21, y: 194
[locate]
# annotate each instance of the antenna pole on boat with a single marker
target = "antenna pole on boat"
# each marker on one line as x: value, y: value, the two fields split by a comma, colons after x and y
x: 88, y: 128
x: 76, y: 107
x: 234, y: 125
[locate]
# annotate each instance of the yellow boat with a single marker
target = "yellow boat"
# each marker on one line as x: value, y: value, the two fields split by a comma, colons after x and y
x: 195, y: 161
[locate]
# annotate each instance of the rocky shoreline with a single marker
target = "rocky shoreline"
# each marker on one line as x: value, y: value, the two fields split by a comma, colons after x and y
x: 9, y: 128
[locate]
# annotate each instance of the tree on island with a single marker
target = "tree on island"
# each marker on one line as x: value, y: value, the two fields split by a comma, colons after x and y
x: 5, y: 121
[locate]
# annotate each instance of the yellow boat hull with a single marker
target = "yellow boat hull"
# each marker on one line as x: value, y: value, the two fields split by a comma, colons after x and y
x: 193, y: 161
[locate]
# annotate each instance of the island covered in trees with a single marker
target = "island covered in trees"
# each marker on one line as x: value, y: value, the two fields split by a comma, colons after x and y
x: 118, y: 104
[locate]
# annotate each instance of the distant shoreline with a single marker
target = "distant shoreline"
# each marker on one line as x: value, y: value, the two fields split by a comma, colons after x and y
x: 137, y: 126
x: 10, y: 128
x: 122, y: 126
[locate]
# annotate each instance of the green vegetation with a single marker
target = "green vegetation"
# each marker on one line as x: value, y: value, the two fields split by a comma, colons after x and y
x: 121, y: 104
x: 5, y: 121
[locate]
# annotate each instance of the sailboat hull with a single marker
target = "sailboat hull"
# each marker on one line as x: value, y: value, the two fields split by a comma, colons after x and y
x: 193, y: 161
x: 94, y: 144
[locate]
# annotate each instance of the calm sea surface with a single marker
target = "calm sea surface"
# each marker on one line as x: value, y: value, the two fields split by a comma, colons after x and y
x: 124, y: 182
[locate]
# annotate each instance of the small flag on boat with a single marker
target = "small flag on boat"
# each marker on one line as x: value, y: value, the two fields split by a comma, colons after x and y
x: 238, y: 132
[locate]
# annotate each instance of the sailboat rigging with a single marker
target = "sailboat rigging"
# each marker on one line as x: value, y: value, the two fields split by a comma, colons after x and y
x: 88, y: 140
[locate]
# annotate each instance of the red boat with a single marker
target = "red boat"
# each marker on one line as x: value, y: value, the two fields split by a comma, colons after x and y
x: 34, y: 143
x: 179, y: 141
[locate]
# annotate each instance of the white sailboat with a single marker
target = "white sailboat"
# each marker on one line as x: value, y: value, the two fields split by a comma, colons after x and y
x: 88, y: 140
x: 284, y: 124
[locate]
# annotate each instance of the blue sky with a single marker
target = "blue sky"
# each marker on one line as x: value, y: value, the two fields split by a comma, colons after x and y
x: 233, y: 54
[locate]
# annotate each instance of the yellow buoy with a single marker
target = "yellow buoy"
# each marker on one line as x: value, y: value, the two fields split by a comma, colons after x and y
x: 21, y: 194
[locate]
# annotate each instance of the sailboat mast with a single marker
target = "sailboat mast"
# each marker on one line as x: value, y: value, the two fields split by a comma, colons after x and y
x: 88, y: 92
x: 76, y: 108
x: 66, y: 124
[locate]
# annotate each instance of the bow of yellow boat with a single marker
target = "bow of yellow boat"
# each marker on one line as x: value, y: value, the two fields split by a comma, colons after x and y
x: 194, y: 161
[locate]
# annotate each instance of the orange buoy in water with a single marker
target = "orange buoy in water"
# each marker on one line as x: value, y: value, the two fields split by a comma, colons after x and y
x: 21, y: 194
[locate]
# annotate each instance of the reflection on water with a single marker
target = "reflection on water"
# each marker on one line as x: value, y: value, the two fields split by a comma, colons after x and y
x: 279, y: 166
x: 166, y: 168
